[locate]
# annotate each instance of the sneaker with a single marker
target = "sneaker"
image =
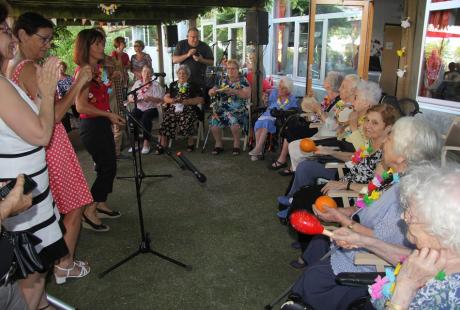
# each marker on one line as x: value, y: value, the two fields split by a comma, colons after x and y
x: 130, y: 150
x: 284, y: 200
x: 145, y: 150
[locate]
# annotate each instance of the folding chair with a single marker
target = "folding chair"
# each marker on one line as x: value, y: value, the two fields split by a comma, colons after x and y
x: 246, y: 130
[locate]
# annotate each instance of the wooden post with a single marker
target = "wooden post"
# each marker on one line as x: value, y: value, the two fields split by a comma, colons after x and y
x: 161, y: 66
x: 311, y: 47
x: 410, y: 63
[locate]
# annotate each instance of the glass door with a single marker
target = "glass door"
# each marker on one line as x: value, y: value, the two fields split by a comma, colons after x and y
x: 347, y: 28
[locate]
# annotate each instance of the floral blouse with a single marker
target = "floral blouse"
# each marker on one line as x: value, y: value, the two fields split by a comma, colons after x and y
x: 439, y: 295
x: 364, y: 171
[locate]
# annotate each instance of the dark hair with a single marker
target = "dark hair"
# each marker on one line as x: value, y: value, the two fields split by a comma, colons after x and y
x: 118, y: 41
x: 30, y: 22
x: 194, y: 29
x: 389, y: 113
x: 3, y: 12
x: 3, y: 16
x: 83, y: 42
x: 140, y: 43
x: 64, y: 66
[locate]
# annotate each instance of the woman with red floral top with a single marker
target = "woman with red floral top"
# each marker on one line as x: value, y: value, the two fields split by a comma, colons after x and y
x: 95, y: 126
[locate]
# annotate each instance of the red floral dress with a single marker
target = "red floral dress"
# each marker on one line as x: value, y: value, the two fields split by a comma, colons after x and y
x: 67, y: 182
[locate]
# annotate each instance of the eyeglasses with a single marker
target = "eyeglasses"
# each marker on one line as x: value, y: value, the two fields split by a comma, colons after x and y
x: 45, y: 40
x: 137, y: 46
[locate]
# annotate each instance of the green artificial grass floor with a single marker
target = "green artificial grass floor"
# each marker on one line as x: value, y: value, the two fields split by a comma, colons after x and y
x: 226, y: 229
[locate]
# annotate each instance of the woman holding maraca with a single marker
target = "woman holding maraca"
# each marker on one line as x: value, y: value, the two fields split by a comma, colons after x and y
x: 230, y: 108
x: 411, y: 141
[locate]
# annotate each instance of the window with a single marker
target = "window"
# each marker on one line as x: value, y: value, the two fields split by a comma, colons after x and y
x: 284, y: 48
x: 439, y: 77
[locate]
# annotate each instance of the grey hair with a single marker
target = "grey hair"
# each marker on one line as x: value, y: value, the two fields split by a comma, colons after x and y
x: 433, y: 192
x: 288, y: 83
x: 184, y: 68
x: 371, y: 90
x: 335, y: 79
x: 355, y: 79
x: 416, y: 140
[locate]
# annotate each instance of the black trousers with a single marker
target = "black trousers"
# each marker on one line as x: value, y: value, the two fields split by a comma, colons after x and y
x: 146, y: 117
x: 97, y: 137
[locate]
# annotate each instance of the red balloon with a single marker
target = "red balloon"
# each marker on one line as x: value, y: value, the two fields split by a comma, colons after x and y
x: 305, y: 223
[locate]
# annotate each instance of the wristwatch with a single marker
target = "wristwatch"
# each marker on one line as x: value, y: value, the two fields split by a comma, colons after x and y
x: 350, y: 226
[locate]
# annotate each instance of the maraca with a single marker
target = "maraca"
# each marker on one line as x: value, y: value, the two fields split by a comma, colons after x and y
x: 323, y: 202
x: 307, y: 145
x: 305, y: 223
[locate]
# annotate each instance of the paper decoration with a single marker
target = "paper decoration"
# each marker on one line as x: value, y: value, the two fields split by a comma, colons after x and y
x: 108, y: 9
x: 401, y: 72
x: 123, y: 22
x: 54, y: 20
x: 401, y: 52
x: 83, y: 21
x: 92, y: 22
x: 405, y: 23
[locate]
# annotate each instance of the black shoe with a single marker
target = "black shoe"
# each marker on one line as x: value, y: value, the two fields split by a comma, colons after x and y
x: 104, y: 214
x: 88, y: 224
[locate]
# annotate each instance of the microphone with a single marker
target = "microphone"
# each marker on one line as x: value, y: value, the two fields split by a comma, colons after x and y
x: 201, y: 177
x: 227, y: 41
x: 159, y: 74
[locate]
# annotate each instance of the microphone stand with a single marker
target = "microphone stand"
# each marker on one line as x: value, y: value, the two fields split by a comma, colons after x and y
x: 135, y: 135
x: 144, y: 246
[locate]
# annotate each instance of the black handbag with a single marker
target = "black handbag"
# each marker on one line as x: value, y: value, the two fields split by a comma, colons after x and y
x: 25, y: 255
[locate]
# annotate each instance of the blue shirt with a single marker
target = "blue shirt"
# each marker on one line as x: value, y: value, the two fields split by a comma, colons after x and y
x: 384, y: 218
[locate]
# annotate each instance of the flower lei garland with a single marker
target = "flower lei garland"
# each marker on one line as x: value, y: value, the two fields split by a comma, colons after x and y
x: 284, y: 104
x: 362, y: 152
x: 182, y: 90
x: 372, y: 191
x: 385, y: 287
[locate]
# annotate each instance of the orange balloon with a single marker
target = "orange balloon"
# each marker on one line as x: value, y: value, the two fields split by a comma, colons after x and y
x: 325, y: 202
x: 307, y: 145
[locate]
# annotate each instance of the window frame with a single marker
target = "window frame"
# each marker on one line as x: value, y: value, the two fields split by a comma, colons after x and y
x: 440, y: 105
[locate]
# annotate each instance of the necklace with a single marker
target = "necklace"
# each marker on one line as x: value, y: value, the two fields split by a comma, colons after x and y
x: 385, y: 287
x: 372, y: 191
x: 362, y: 152
x: 284, y: 104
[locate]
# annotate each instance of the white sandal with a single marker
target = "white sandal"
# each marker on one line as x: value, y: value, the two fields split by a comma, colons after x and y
x: 84, y: 270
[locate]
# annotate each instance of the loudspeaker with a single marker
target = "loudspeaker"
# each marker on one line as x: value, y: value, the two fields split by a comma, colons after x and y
x: 256, y: 27
x: 171, y: 36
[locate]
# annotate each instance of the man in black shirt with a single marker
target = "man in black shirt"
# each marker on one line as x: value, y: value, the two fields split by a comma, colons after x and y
x: 196, y: 54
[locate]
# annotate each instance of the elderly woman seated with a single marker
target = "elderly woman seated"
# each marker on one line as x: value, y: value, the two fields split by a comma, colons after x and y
x: 280, y: 99
x: 148, y: 98
x: 230, y: 108
x: 362, y: 166
x: 180, y: 112
x: 410, y: 142
x: 367, y: 96
x: 338, y: 130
